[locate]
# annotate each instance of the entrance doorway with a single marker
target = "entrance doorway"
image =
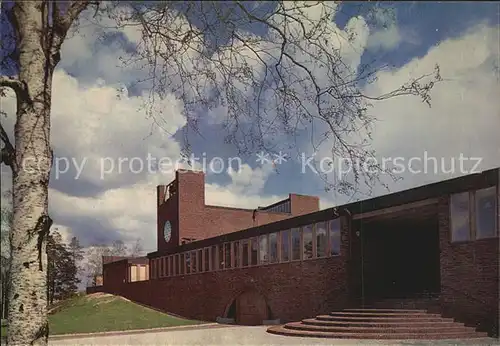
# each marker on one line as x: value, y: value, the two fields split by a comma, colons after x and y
x: 249, y: 308
x: 397, y: 258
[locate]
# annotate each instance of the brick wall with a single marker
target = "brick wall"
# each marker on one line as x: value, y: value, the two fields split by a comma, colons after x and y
x: 192, y: 218
x: 115, y: 273
x: 469, y: 277
x: 293, y: 290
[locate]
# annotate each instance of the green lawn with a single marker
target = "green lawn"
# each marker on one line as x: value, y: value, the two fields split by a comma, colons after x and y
x: 102, y: 313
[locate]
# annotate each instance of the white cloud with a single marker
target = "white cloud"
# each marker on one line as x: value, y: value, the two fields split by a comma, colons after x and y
x: 102, y: 132
x: 464, y: 117
x: 131, y: 210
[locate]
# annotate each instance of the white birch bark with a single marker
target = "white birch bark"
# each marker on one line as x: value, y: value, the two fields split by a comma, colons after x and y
x: 38, y: 37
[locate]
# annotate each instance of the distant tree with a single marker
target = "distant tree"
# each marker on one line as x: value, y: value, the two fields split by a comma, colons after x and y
x: 62, y: 271
x: 137, y: 249
x: 94, y: 261
x: 118, y: 248
x: 77, y: 252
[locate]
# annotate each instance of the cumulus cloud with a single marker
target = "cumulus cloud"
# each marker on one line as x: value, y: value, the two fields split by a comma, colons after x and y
x: 463, y: 119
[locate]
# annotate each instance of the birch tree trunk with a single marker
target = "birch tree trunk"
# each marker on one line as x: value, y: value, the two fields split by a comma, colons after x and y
x: 40, y: 28
x: 28, y: 324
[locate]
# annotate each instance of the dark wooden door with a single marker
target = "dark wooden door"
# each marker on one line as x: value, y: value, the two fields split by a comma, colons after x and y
x: 251, y: 309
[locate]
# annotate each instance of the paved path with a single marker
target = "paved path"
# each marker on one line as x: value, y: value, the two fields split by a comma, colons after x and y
x: 236, y: 335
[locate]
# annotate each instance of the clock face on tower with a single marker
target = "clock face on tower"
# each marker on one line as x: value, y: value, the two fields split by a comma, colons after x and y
x: 167, y: 231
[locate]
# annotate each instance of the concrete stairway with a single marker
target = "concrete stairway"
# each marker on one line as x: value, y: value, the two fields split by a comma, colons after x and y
x: 401, y: 324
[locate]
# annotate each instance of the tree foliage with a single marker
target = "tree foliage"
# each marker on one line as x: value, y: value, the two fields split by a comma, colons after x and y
x: 62, y: 269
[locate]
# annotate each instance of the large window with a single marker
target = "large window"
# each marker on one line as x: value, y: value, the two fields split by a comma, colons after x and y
x: 295, y: 244
x: 182, y: 263
x: 460, y: 217
x: 236, y: 254
x: 227, y: 254
x: 188, y: 263
x: 321, y: 240
x: 214, y: 263
x: 199, y: 262
x: 221, y: 256
x: 264, y: 249
x: 194, y: 262
x: 285, y: 246
x: 334, y: 236
x: 206, y: 262
x: 307, y: 234
x: 254, y: 250
x: 486, y: 210
x: 273, y: 247
x: 244, y: 253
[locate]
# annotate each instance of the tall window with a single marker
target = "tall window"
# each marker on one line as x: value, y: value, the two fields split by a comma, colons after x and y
x: 188, y: 263
x: 307, y: 234
x: 207, y: 259
x: 486, y: 210
x: 295, y: 244
x: 182, y: 263
x: 285, y: 246
x: 273, y: 247
x: 321, y: 240
x: 153, y: 269
x: 254, y: 250
x: 227, y: 253
x: 460, y: 217
x: 177, y: 265
x: 244, y: 253
x: 199, y: 263
x: 236, y: 252
x: 213, y: 252
x: 264, y: 249
x: 334, y: 235
x: 194, y: 262
x: 221, y: 256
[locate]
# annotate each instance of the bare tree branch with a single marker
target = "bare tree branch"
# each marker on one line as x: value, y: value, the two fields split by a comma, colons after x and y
x: 13, y: 83
x: 63, y: 21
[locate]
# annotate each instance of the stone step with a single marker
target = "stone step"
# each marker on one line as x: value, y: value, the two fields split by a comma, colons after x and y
x: 387, y: 324
x: 281, y: 330
x: 383, y: 314
x: 378, y: 318
x: 384, y: 329
x: 385, y: 310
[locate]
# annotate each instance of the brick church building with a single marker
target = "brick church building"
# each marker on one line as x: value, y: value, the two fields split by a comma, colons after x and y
x: 434, y: 247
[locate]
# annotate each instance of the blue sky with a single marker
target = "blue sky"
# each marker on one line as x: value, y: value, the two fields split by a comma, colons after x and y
x: 90, y: 122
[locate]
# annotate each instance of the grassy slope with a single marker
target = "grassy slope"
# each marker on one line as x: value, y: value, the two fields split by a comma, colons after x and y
x: 102, y: 313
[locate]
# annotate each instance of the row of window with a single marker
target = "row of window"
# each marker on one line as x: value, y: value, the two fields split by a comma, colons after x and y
x: 302, y: 243
x: 475, y: 214
x: 280, y: 208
